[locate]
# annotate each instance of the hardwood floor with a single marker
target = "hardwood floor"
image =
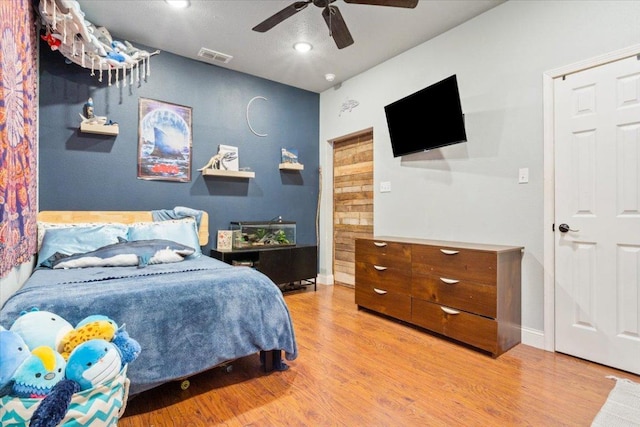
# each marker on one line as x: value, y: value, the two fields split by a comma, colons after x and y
x: 356, y: 368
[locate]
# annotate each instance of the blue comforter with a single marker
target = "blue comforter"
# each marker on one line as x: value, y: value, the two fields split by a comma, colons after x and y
x: 188, y: 317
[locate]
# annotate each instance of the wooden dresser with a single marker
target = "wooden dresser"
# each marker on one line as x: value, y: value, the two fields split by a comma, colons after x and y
x: 467, y: 292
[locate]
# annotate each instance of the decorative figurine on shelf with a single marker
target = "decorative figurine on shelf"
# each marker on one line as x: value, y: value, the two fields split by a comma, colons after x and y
x: 289, y: 155
x: 226, y: 159
x: 289, y: 159
x: 96, y: 124
x: 89, y: 117
x: 218, y: 161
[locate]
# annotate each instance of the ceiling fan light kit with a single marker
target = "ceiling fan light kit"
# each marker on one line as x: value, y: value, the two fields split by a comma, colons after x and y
x: 338, y: 29
x: 302, y: 47
x: 178, y: 4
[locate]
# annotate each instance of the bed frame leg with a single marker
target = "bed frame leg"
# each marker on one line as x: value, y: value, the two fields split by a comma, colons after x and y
x: 272, y: 361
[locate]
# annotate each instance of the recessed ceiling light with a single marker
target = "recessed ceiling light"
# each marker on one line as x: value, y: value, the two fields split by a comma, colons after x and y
x: 178, y: 4
x: 330, y: 77
x: 302, y: 47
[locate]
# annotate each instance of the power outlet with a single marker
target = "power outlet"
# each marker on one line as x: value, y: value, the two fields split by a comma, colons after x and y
x: 385, y: 186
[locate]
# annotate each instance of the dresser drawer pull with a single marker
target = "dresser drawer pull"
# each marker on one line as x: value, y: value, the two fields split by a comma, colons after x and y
x: 380, y: 244
x: 379, y: 267
x: 449, y: 281
x: 379, y: 291
x: 449, y: 252
x: 449, y: 310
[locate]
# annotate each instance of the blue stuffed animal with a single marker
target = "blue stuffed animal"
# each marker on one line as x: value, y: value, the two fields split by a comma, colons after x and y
x: 13, y: 352
x: 128, y: 347
x: 91, y: 363
x: 38, y: 374
x: 39, y: 328
x: 92, y: 359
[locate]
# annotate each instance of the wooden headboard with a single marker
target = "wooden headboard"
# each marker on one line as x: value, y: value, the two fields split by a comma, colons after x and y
x: 122, y: 217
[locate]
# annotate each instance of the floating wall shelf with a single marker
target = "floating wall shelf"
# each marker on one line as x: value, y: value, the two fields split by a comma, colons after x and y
x: 232, y: 174
x: 100, y: 129
x: 292, y: 166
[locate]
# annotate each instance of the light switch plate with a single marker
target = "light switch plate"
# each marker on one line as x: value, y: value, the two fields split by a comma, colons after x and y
x: 523, y: 175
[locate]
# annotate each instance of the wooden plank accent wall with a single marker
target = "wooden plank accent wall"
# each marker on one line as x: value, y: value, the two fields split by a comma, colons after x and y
x: 352, y: 200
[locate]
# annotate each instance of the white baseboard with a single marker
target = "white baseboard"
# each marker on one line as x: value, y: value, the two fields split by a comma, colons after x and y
x: 533, y: 338
x: 325, y: 279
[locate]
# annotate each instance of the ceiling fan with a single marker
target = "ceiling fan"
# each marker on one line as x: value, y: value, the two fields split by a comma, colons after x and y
x: 331, y: 14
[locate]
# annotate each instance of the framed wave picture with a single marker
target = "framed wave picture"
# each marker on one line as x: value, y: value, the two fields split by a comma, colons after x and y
x: 164, y: 141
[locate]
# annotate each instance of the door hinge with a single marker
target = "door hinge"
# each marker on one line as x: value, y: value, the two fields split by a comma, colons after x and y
x: 553, y: 227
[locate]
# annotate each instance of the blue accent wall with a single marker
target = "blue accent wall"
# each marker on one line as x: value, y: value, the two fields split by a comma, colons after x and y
x: 80, y: 171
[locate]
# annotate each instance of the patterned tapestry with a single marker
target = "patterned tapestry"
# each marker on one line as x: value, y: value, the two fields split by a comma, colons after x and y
x: 18, y: 133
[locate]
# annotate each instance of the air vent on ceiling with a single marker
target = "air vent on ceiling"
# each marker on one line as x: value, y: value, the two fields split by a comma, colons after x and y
x: 212, y: 55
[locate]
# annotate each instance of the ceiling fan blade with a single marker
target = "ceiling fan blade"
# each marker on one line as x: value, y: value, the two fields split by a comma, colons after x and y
x: 285, y: 13
x: 337, y: 27
x: 410, y: 4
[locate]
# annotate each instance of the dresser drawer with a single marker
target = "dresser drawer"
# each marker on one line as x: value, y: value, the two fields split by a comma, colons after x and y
x: 389, y: 303
x: 461, y: 294
x: 381, y: 252
x: 386, y: 278
x: 474, y: 330
x: 475, y: 265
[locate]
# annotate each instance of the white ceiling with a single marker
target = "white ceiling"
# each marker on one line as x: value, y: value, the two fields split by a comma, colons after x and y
x: 225, y: 26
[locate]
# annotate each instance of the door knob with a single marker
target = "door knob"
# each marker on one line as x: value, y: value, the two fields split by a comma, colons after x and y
x: 564, y: 228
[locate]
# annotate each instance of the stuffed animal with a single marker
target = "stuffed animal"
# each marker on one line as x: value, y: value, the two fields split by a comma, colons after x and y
x: 96, y: 318
x: 134, y: 52
x: 37, y: 375
x: 92, y: 327
x: 93, y: 44
x: 121, y: 49
x: 97, y: 351
x: 128, y: 347
x: 13, y: 352
x: 40, y: 328
x: 91, y: 363
x: 52, y: 40
x: 54, y: 407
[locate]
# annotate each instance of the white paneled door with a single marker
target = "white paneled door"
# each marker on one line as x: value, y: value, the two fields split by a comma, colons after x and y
x: 597, y: 214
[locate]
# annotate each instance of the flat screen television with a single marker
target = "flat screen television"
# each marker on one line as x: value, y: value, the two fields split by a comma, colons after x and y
x: 427, y: 119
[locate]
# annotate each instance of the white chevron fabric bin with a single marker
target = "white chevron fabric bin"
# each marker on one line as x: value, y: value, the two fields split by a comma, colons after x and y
x: 100, y: 406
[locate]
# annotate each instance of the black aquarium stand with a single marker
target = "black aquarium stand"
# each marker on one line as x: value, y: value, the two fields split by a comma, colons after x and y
x: 290, y: 267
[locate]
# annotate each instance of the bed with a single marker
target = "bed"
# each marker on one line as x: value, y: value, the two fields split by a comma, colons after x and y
x: 188, y: 316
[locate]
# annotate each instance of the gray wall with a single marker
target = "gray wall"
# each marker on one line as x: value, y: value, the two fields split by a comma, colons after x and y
x: 80, y: 171
x: 470, y: 192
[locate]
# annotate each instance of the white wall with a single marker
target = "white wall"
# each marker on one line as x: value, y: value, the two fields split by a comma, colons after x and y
x: 470, y: 192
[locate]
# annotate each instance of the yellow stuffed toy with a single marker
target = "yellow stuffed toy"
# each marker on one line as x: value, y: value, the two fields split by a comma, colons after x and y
x: 92, y: 327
